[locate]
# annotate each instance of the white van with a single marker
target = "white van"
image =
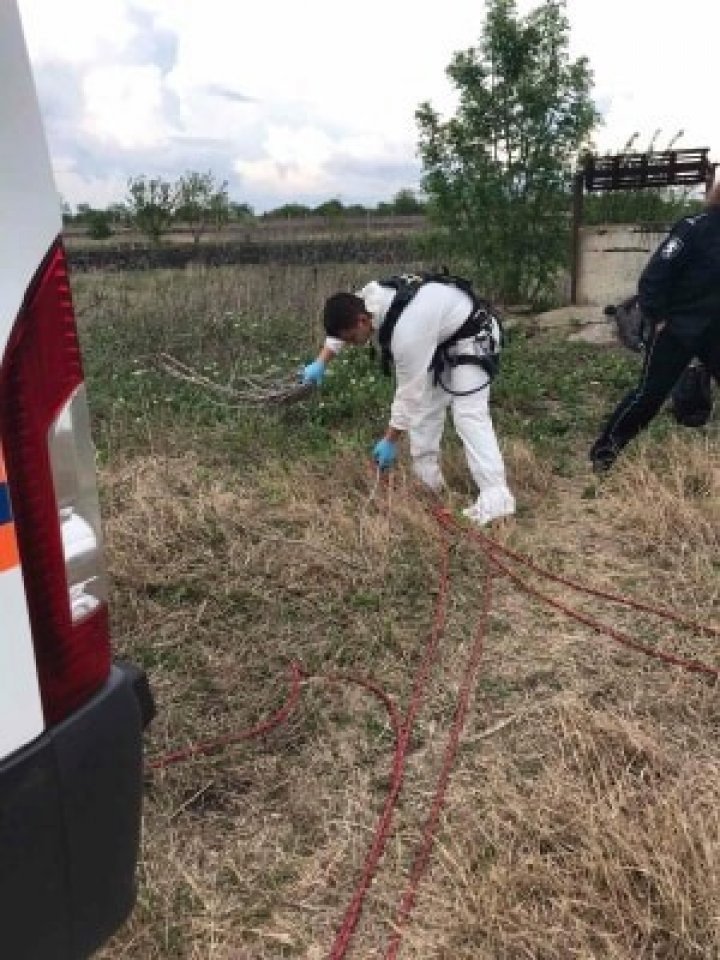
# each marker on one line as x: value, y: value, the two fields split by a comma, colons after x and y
x: 71, y: 722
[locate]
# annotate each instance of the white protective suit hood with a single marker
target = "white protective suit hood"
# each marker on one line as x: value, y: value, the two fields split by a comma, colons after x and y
x: 377, y: 301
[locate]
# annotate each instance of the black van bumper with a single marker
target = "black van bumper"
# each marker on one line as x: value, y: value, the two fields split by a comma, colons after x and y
x: 70, y: 806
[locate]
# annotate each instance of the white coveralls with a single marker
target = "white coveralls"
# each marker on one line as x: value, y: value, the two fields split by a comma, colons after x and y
x: 436, y: 312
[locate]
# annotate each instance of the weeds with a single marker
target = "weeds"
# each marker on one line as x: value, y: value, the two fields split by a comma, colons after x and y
x: 581, y: 819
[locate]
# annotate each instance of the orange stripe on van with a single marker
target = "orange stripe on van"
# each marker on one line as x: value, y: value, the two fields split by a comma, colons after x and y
x: 8, y: 547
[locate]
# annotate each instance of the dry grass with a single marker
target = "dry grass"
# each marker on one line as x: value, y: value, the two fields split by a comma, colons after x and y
x: 582, y: 819
x: 188, y: 306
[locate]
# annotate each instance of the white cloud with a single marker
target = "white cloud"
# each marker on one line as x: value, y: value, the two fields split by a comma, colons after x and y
x: 288, y: 179
x: 98, y: 191
x: 123, y: 105
x: 655, y: 69
x: 75, y: 31
x: 301, y: 99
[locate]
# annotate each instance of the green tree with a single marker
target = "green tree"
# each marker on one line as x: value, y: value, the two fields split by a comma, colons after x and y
x: 497, y: 173
x: 99, y: 223
x: 289, y: 211
x: 240, y: 211
x: 151, y: 202
x: 201, y: 202
x: 330, y: 209
x: 405, y: 203
x: 119, y: 214
x: 82, y: 212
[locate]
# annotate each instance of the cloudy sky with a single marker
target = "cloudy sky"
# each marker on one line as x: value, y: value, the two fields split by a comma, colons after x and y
x: 305, y: 100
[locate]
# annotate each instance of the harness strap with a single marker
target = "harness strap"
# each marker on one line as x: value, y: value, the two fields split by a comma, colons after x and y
x: 401, y: 299
x: 490, y: 363
x: 479, y: 321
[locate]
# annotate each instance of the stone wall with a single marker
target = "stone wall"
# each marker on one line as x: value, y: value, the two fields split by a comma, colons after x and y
x: 611, y: 260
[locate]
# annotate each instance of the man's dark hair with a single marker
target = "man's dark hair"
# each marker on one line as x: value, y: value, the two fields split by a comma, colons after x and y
x: 341, y: 313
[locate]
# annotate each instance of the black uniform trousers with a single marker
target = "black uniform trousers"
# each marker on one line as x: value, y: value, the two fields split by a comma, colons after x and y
x: 666, y: 356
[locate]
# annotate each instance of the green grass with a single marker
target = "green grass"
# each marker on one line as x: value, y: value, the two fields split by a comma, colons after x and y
x: 241, y: 539
x: 551, y: 393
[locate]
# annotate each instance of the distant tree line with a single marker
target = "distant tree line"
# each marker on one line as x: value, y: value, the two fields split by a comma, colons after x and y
x: 496, y: 187
x: 199, y: 202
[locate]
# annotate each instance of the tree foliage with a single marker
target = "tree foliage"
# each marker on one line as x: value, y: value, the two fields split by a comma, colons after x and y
x: 202, y: 202
x: 497, y: 173
x: 330, y: 209
x: 406, y: 203
x: 152, y: 202
x: 288, y: 211
x: 99, y: 224
x: 240, y: 211
x: 652, y: 206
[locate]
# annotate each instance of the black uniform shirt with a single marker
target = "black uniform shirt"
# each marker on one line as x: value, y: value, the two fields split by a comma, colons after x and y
x: 681, y: 282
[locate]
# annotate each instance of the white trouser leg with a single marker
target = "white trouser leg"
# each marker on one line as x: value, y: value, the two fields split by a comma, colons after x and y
x: 471, y: 416
x: 425, y: 437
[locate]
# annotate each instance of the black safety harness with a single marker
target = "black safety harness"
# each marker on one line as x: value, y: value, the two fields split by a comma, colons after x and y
x: 483, y: 324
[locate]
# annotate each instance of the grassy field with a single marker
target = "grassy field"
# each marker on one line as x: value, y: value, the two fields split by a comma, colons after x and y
x: 582, y: 818
x: 286, y: 230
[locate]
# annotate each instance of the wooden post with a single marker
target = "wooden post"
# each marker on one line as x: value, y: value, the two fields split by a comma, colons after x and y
x: 577, y: 209
x: 710, y: 179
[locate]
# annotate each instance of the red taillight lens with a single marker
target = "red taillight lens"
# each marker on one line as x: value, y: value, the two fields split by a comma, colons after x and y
x: 40, y: 379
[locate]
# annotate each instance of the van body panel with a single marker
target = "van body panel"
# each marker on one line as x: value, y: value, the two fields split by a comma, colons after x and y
x: 30, y: 219
x: 21, y: 716
x: 30, y: 210
x: 70, y: 785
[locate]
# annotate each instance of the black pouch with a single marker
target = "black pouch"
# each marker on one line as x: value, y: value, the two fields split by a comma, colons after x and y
x: 633, y: 327
x: 691, y: 400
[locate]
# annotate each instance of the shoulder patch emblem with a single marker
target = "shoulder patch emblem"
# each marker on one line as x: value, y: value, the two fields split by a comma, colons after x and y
x: 671, y: 248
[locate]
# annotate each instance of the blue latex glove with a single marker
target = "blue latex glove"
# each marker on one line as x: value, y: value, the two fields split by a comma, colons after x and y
x: 313, y: 373
x: 384, y: 453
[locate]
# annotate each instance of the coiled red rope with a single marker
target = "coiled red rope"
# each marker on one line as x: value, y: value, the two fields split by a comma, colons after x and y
x: 498, y: 559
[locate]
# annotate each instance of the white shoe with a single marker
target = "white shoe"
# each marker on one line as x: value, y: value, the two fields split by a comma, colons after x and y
x: 481, y: 515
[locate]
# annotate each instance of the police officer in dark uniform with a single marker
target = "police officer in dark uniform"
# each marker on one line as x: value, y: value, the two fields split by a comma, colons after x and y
x: 679, y: 293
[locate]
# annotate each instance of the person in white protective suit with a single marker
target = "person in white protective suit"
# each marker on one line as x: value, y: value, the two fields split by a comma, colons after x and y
x: 435, y: 313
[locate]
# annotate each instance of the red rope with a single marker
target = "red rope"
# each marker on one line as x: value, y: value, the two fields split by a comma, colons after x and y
x: 493, y: 553
x: 444, y: 518
x: 422, y: 856
x: 382, y: 829
x: 278, y: 718
x: 375, y: 689
x: 492, y: 548
x: 212, y: 746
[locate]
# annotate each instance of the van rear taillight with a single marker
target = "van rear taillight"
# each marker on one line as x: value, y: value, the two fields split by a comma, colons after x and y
x: 51, y: 477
